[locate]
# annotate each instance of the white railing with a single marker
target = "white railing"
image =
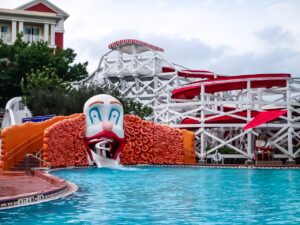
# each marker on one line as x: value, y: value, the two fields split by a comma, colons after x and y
x: 32, y: 38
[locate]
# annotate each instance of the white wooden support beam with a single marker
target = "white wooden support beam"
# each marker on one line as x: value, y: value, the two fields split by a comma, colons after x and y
x: 202, y: 96
x: 289, y: 119
x: 223, y: 143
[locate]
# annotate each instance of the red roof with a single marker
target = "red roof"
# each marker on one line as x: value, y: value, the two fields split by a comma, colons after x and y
x: 40, y: 7
x: 43, y: 6
x: 133, y: 42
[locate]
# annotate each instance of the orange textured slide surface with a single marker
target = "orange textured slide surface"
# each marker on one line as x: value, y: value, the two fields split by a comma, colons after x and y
x: 150, y: 143
x: 22, y: 139
x: 64, y: 143
x: 189, y: 147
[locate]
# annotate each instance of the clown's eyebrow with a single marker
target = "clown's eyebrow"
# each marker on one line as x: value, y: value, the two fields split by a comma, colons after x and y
x: 115, y: 102
x: 96, y: 102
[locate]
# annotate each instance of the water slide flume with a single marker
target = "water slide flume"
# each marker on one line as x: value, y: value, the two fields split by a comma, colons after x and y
x: 230, y: 83
x: 189, y: 91
x: 264, y: 117
x: 102, y: 155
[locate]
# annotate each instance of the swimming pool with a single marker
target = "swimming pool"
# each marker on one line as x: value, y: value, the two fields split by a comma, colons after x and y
x: 170, y: 196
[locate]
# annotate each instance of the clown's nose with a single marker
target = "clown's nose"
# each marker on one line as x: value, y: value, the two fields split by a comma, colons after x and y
x: 107, y: 126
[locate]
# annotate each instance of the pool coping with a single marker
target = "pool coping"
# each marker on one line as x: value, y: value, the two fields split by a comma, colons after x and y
x: 216, y: 166
x: 61, y: 188
x: 212, y: 166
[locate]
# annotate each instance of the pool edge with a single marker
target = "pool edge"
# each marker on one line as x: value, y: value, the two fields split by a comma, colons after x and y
x: 65, y: 189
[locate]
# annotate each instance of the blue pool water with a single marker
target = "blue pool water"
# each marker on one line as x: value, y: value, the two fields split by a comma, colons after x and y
x: 170, y: 196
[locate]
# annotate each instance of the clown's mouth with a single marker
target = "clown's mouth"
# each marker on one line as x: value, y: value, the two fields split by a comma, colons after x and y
x: 105, y: 147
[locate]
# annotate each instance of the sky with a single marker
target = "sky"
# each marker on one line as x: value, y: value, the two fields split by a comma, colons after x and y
x: 224, y: 36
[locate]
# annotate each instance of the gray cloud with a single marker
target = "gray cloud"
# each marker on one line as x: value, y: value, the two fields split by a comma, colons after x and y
x: 279, y: 60
x: 230, y: 26
x: 191, y: 53
x: 275, y: 35
x: 195, y: 54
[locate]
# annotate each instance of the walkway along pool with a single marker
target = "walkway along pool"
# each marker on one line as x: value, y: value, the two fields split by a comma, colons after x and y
x: 170, y: 196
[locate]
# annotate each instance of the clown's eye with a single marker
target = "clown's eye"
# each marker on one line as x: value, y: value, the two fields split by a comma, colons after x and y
x: 95, y: 116
x: 114, y: 116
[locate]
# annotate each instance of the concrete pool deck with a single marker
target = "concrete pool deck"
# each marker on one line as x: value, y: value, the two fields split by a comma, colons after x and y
x: 18, y: 189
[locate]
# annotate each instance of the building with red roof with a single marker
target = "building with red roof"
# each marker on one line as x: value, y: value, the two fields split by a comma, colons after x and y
x: 38, y: 20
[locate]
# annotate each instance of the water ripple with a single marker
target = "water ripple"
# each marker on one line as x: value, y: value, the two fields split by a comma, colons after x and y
x: 170, y: 196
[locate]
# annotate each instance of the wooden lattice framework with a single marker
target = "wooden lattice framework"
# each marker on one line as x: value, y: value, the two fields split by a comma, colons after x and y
x: 284, y: 134
x: 137, y: 70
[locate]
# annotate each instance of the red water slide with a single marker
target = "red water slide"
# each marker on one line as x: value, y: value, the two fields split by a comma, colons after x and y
x: 229, y: 83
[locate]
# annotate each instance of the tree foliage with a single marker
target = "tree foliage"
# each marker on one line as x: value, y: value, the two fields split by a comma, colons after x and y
x: 46, y: 93
x: 20, y: 59
x: 43, y: 92
x: 46, y: 79
x: 136, y: 108
x: 42, y: 75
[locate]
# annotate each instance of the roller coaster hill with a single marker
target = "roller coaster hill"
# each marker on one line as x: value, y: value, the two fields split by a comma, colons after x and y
x: 244, y: 118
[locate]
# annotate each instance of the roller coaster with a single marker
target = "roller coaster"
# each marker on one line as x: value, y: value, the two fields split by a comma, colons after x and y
x: 255, y: 116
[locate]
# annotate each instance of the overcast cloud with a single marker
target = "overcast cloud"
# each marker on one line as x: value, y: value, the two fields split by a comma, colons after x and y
x: 227, y: 37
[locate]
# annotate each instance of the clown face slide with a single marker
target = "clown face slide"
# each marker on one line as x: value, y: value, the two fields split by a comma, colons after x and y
x: 104, y: 130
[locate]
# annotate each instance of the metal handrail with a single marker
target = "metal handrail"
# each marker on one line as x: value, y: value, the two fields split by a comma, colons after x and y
x: 21, y: 146
x: 39, y: 153
x: 27, y: 158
